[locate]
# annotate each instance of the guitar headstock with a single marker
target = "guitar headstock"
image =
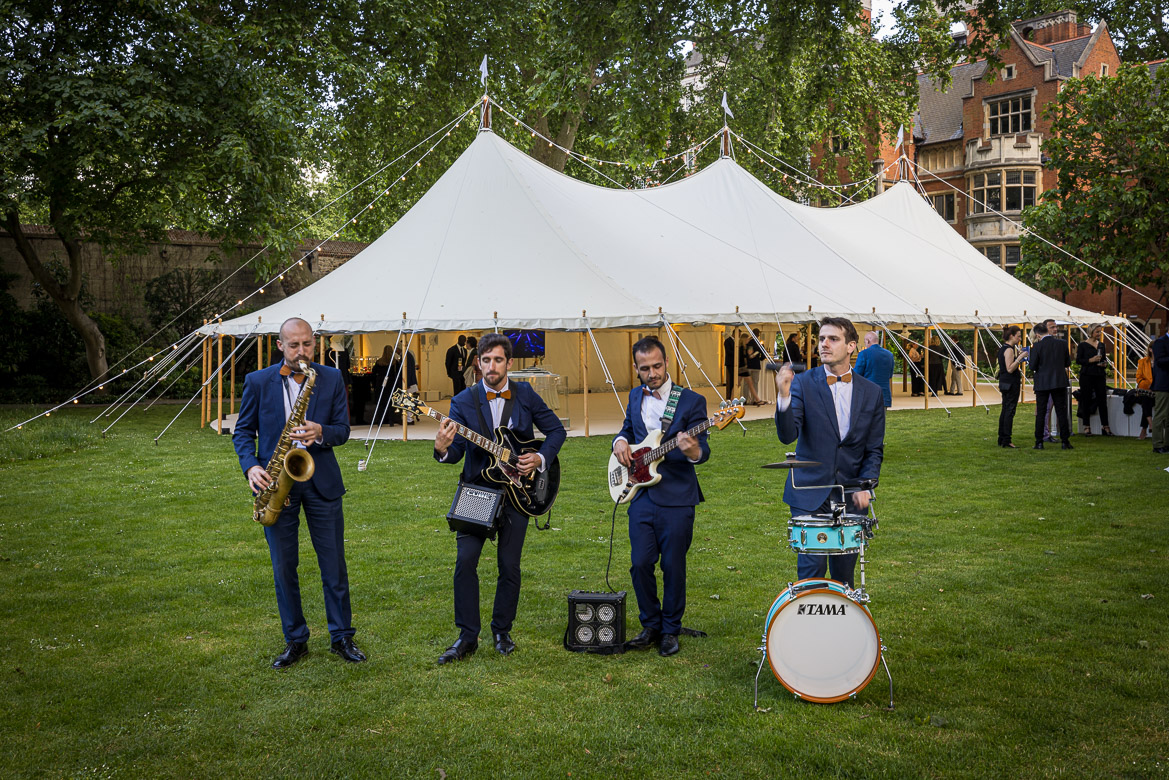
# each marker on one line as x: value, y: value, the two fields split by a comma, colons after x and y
x: 728, y: 412
x: 405, y: 402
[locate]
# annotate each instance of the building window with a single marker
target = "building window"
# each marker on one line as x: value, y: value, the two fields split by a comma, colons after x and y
x: 1010, y: 258
x: 941, y: 159
x: 1009, y: 116
x: 1012, y: 190
x: 1008, y: 72
x: 1103, y: 70
x: 944, y: 205
x: 994, y: 254
x: 839, y: 144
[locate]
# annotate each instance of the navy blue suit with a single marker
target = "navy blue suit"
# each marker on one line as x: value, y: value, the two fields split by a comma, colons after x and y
x: 875, y: 363
x: 1160, y: 429
x: 661, y: 518
x: 527, y: 409
x: 262, y: 418
x: 811, y: 418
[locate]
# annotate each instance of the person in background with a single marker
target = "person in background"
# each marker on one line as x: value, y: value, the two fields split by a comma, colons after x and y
x: 747, y: 348
x: 729, y: 364
x: 1160, y: 348
x: 456, y: 362
x: 1142, y: 394
x: 917, y: 371
x: 472, y: 373
x: 1050, y: 366
x: 1010, y: 358
x: 875, y: 363
x: 411, y: 376
x: 792, y: 351
x: 755, y: 357
x: 937, y: 366
x: 1090, y: 356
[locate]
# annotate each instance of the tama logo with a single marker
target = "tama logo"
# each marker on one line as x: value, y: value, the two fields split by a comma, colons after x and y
x: 821, y: 609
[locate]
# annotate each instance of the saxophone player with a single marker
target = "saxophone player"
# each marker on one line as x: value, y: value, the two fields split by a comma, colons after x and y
x: 269, y: 398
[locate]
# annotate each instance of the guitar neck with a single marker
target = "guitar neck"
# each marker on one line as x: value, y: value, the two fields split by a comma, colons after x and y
x: 472, y: 436
x: 660, y: 451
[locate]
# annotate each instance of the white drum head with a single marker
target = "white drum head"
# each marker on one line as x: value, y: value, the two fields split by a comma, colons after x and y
x: 823, y: 646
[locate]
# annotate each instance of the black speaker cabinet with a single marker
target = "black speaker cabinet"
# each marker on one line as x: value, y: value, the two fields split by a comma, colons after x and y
x: 595, y: 620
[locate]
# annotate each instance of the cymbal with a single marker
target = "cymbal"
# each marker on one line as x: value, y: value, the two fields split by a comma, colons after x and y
x: 792, y: 463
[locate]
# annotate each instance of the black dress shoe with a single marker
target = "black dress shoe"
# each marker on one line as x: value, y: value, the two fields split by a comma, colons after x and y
x: 345, y: 648
x: 293, y: 652
x: 1038, y: 445
x: 504, y: 644
x: 1161, y: 450
x: 668, y: 645
x: 1065, y: 446
x: 458, y: 651
x: 647, y: 638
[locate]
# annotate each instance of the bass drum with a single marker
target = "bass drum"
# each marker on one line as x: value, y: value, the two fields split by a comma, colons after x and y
x: 821, y: 645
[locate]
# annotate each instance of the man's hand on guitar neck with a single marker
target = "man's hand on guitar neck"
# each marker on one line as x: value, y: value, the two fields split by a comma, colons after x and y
x: 445, y: 436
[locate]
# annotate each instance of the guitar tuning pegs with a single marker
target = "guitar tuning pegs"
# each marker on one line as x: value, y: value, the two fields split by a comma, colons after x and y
x: 722, y: 405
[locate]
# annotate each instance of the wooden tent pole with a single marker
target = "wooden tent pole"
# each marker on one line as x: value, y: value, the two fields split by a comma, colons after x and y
x: 204, y: 390
x: 404, y: 374
x: 974, y: 372
x: 231, y: 410
x: 926, y: 394
x: 808, y: 345
x: 219, y: 391
x: 1115, y: 358
x: 584, y: 380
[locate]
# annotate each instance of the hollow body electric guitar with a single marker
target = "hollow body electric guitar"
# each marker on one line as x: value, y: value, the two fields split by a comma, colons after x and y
x: 624, y: 483
x: 534, y: 494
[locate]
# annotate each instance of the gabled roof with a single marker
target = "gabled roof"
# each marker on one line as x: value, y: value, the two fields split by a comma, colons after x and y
x: 939, y: 115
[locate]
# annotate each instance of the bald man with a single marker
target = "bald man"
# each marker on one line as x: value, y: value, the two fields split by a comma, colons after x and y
x: 268, y: 399
x: 875, y: 363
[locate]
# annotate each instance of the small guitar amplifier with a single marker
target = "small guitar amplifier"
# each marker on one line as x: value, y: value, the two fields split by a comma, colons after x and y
x: 475, y: 510
x: 596, y: 622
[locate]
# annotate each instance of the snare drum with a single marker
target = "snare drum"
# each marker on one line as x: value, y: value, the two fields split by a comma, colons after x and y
x: 825, y: 535
x: 822, y: 644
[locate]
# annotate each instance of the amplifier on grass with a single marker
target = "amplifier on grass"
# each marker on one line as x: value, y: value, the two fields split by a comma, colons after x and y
x: 596, y: 622
x: 475, y: 510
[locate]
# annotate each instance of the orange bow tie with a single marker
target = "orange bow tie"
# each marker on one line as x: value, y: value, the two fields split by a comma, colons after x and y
x: 505, y: 395
x: 286, y: 370
x: 833, y: 379
x: 654, y: 393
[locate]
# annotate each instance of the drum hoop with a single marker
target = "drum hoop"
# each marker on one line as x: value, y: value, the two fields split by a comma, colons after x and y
x: 827, y: 523
x: 845, y: 551
x: 809, y: 697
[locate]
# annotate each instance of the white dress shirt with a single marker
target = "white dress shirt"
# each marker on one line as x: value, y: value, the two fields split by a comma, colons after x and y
x: 841, y: 393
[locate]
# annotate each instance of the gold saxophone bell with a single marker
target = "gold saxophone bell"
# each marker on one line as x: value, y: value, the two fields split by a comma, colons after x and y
x: 289, y: 463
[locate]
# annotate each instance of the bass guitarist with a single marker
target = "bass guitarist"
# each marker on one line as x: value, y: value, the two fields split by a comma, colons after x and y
x: 661, y: 518
x: 483, y: 407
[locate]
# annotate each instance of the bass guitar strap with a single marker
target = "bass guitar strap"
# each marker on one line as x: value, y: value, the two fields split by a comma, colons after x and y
x: 671, y: 408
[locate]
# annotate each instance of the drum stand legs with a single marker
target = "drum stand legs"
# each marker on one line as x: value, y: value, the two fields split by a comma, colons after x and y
x: 886, y: 665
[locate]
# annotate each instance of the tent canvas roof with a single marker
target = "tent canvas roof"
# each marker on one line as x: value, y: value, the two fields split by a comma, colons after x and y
x: 501, y: 233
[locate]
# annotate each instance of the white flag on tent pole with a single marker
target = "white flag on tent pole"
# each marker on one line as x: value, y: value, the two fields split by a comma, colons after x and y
x: 726, y: 108
x: 900, y: 137
x: 483, y: 70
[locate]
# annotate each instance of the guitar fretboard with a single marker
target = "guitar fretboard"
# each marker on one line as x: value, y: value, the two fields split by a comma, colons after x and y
x: 659, y: 452
x: 473, y: 436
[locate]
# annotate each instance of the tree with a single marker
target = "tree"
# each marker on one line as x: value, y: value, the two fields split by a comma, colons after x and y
x: 1111, y: 203
x: 123, y: 119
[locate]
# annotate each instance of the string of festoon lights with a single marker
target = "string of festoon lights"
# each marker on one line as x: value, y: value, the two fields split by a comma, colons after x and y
x: 804, y: 179
x: 156, y: 370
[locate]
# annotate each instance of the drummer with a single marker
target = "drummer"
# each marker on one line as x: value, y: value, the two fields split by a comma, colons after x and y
x: 838, y: 418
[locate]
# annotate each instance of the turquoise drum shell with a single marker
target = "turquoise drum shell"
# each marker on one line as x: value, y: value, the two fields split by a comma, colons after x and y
x: 818, y: 535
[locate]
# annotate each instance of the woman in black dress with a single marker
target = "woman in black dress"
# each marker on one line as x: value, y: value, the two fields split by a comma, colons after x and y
x: 1093, y: 381
x: 1010, y: 380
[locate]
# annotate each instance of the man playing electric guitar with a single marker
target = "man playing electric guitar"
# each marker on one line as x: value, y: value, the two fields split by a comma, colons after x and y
x: 483, y: 407
x: 661, y: 517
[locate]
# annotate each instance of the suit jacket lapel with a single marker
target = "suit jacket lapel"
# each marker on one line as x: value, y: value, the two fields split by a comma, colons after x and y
x: 854, y: 407
x: 635, y: 410
x: 819, y: 380
x: 481, y: 399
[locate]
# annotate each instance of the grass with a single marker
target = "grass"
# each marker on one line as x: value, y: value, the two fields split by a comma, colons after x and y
x: 137, y: 619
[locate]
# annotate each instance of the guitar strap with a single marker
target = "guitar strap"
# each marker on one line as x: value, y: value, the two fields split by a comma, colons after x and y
x: 671, y: 408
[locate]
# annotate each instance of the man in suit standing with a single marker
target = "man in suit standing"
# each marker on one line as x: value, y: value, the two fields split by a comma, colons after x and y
x: 268, y: 399
x: 839, y: 420
x: 661, y: 518
x: 483, y: 407
x: 1050, y: 365
x: 1161, y: 394
x: 456, y: 361
x: 875, y: 363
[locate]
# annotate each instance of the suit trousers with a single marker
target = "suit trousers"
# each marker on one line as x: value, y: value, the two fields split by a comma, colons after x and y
x: 509, y: 547
x: 1059, y: 398
x: 1160, y: 430
x: 840, y: 566
x: 326, y: 526
x: 459, y: 383
x: 1007, y: 414
x: 659, y: 534
x: 1093, y: 398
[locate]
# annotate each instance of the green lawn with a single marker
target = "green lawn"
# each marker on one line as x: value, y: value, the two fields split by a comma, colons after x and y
x: 1012, y: 589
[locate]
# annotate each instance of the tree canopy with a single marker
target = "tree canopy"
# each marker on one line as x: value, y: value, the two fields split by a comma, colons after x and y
x: 1111, y: 203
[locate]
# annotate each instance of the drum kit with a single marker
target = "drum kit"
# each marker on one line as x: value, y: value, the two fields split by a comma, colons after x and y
x: 819, y: 637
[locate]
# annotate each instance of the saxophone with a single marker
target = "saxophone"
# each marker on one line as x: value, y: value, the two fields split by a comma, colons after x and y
x: 288, y: 463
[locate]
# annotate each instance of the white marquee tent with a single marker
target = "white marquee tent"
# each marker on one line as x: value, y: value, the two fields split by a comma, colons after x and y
x: 503, y: 241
